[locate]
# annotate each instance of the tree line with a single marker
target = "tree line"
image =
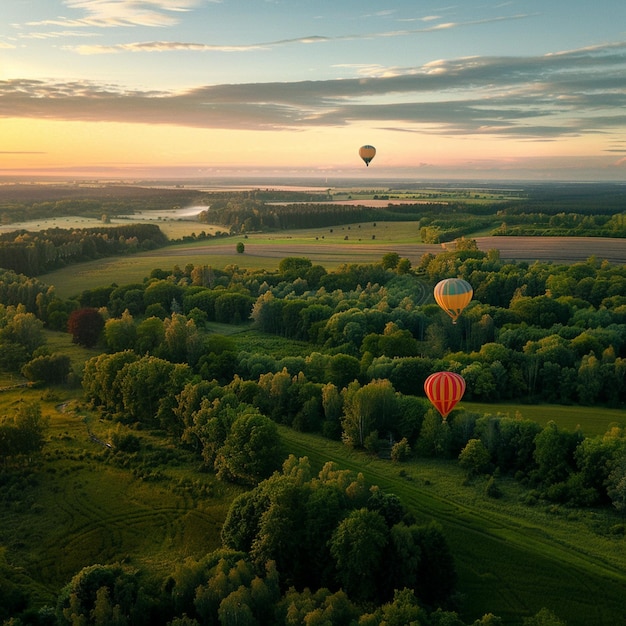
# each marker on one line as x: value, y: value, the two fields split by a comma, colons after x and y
x: 562, y: 338
x: 598, y: 212
x: 34, y: 253
x: 219, y: 421
x: 536, y: 332
x: 24, y: 202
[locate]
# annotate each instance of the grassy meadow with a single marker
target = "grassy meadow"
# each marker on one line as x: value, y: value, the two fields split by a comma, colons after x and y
x: 81, y: 505
x: 330, y: 247
x: 261, y: 251
x: 512, y: 558
x: 591, y: 421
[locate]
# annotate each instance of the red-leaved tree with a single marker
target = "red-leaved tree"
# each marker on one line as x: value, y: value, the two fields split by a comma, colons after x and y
x: 85, y: 326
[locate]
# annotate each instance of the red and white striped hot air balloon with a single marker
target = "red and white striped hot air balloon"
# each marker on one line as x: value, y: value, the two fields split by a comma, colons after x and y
x: 444, y: 390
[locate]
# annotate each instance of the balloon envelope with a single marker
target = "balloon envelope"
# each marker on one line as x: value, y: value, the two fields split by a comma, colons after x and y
x: 367, y: 153
x: 444, y: 390
x: 453, y: 295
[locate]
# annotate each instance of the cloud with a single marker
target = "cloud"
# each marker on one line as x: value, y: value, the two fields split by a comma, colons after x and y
x: 108, y: 13
x: 160, y: 46
x: 426, y: 18
x: 64, y: 34
x: 169, y: 46
x: 573, y: 93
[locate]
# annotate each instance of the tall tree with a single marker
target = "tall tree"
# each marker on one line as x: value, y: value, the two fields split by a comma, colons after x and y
x: 367, y: 409
x: 121, y: 334
x: 252, y: 450
x: 357, y: 546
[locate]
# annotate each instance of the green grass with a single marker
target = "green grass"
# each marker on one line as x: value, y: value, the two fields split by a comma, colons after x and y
x: 512, y: 559
x: 365, y: 233
x: 265, y: 343
x: 320, y: 245
x: 79, y: 507
x: 61, y: 342
x: 73, y: 280
x: 591, y: 421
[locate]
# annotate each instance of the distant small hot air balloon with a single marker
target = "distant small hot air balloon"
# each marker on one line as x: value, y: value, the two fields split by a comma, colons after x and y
x: 444, y: 390
x: 453, y: 295
x: 367, y: 153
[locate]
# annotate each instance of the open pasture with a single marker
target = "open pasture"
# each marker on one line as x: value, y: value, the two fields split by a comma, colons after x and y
x: 347, y: 244
x: 510, y: 557
x: 85, y: 505
x: 592, y: 421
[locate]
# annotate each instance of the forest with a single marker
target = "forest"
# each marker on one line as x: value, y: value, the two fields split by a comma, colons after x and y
x: 441, y: 218
x: 34, y: 253
x: 301, y: 544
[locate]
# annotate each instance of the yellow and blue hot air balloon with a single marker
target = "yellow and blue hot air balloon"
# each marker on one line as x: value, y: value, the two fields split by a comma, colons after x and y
x: 453, y: 295
x: 367, y: 153
x: 444, y: 390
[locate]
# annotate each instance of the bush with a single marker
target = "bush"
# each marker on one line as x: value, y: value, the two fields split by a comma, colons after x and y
x: 51, y: 369
x: 127, y: 442
x: 401, y: 450
x: 475, y: 458
x: 492, y: 490
x: 372, y: 443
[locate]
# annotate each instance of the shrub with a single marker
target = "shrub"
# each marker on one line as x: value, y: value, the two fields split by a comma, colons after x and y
x: 401, y: 450
x: 475, y: 458
x: 492, y: 490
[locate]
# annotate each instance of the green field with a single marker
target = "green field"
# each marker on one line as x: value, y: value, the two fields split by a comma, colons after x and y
x: 82, y: 506
x: 591, y: 421
x: 512, y: 559
x: 262, y: 251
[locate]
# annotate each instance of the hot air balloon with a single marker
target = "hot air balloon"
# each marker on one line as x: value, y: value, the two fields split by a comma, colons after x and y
x: 367, y: 153
x: 444, y: 390
x: 453, y: 295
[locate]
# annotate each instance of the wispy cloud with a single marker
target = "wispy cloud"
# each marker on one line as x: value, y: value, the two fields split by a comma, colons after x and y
x: 160, y: 46
x: 169, y: 46
x: 425, y: 18
x: 108, y: 13
x: 55, y: 34
x: 536, y: 98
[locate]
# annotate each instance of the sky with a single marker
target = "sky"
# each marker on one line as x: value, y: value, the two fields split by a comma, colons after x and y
x: 512, y: 90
